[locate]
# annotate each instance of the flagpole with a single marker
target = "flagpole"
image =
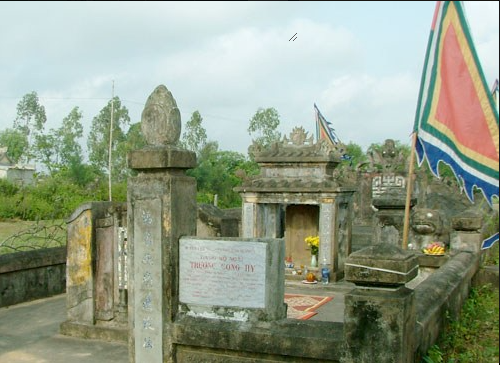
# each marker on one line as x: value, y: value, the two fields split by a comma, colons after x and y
x: 409, y: 188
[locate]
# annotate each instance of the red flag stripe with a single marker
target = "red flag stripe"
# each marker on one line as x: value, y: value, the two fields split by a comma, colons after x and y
x: 454, y: 119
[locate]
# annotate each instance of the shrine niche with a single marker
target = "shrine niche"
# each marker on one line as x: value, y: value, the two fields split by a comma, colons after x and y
x: 297, y: 195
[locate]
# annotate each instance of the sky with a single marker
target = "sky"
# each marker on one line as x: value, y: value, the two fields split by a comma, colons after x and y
x: 360, y: 62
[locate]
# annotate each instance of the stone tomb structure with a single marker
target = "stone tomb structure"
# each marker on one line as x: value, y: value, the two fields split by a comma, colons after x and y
x: 295, y: 196
x: 193, y: 299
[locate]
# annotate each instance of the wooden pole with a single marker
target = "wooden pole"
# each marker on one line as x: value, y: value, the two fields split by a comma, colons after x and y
x: 409, y: 189
x: 110, y: 166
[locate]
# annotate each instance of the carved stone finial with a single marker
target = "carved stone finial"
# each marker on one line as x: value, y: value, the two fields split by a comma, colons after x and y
x: 161, y: 119
x: 299, y: 137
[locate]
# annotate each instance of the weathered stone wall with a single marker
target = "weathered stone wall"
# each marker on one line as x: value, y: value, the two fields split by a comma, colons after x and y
x: 214, y: 222
x: 205, y: 340
x: 442, y: 292
x: 31, y: 275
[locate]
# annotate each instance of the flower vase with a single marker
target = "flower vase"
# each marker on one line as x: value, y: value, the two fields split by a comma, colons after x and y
x: 314, y: 261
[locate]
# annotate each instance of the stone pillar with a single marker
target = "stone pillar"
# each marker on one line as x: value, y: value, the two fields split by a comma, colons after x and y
x: 380, y: 314
x: 161, y: 208
x: 389, y: 218
x: 328, y: 247
x: 249, y: 220
x: 269, y: 221
x: 335, y: 230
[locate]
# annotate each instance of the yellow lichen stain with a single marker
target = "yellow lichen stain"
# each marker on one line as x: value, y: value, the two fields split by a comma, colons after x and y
x: 79, y: 248
x: 167, y: 222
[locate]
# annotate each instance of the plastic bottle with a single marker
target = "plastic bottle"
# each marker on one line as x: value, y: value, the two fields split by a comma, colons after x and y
x: 325, y: 272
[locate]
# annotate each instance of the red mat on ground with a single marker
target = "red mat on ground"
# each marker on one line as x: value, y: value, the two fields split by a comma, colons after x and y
x: 302, y: 306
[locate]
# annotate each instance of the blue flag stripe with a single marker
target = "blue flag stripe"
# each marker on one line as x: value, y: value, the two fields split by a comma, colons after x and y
x: 487, y: 243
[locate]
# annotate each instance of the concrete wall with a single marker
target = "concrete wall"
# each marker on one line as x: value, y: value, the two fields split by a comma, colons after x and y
x: 31, y: 275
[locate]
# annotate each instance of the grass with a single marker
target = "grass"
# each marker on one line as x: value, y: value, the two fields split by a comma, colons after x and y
x: 491, y: 256
x: 28, y: 235
x: 474, y: 337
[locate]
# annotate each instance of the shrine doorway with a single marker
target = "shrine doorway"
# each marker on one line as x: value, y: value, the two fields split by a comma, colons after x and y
x: 301, y: 221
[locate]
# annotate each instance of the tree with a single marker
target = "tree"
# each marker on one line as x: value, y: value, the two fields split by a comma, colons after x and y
x: 264, y: 126
x: 98, y: 141
x: 47, y: 147
x: 134, y: 140
x: 355, y: 152
x: 60, y: 147
x: 71, y: 130
x: 16, y: 143
x: 195, y: 136
x: 218, y: 172
x: 30, y: 121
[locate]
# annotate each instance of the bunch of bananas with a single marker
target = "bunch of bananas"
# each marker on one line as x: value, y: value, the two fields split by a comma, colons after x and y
x: 434, y: 249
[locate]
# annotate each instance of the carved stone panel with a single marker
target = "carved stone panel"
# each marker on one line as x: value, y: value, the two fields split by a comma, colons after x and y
x: 148, y: 281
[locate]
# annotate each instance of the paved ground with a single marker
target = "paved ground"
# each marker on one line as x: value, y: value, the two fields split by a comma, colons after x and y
x: 29, y: 332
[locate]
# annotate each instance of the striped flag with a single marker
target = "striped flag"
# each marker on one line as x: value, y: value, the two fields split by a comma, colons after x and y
x: 324, y: 128
x: 456, y: 119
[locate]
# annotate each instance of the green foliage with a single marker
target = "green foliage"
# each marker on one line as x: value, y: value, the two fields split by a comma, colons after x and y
x: 70, y: 151
x: 195, y: 136
x: 434, y: 355
x: 8, y: 188
x: 134, y: 140
x: 48, y: 150
x: 30, y: 121
x: 8, y: 199
x: 55, y: 196
x: 356, y: 153
x: 264, y: 126
x: 16, y: 143
x: 98, y: 140
x: 474, y: 337
x: 218, y: 172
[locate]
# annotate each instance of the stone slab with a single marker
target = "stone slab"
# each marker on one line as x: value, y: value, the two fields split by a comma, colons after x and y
x: 161, y: 158
x: 384, y: 265
x: 225, y: 273
x: 467, y: 221
x: 465, y: 241
x: 235, y: 279
x: 432, y: 261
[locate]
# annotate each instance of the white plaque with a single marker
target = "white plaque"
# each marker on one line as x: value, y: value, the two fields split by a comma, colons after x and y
x: 222, y: 273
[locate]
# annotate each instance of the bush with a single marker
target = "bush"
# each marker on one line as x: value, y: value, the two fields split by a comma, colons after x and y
x: 8, y: 188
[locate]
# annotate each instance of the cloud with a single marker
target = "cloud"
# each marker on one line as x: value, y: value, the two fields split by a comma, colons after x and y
x: 483, y: 20
x: 226, y: 59
x: 365, y: 109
